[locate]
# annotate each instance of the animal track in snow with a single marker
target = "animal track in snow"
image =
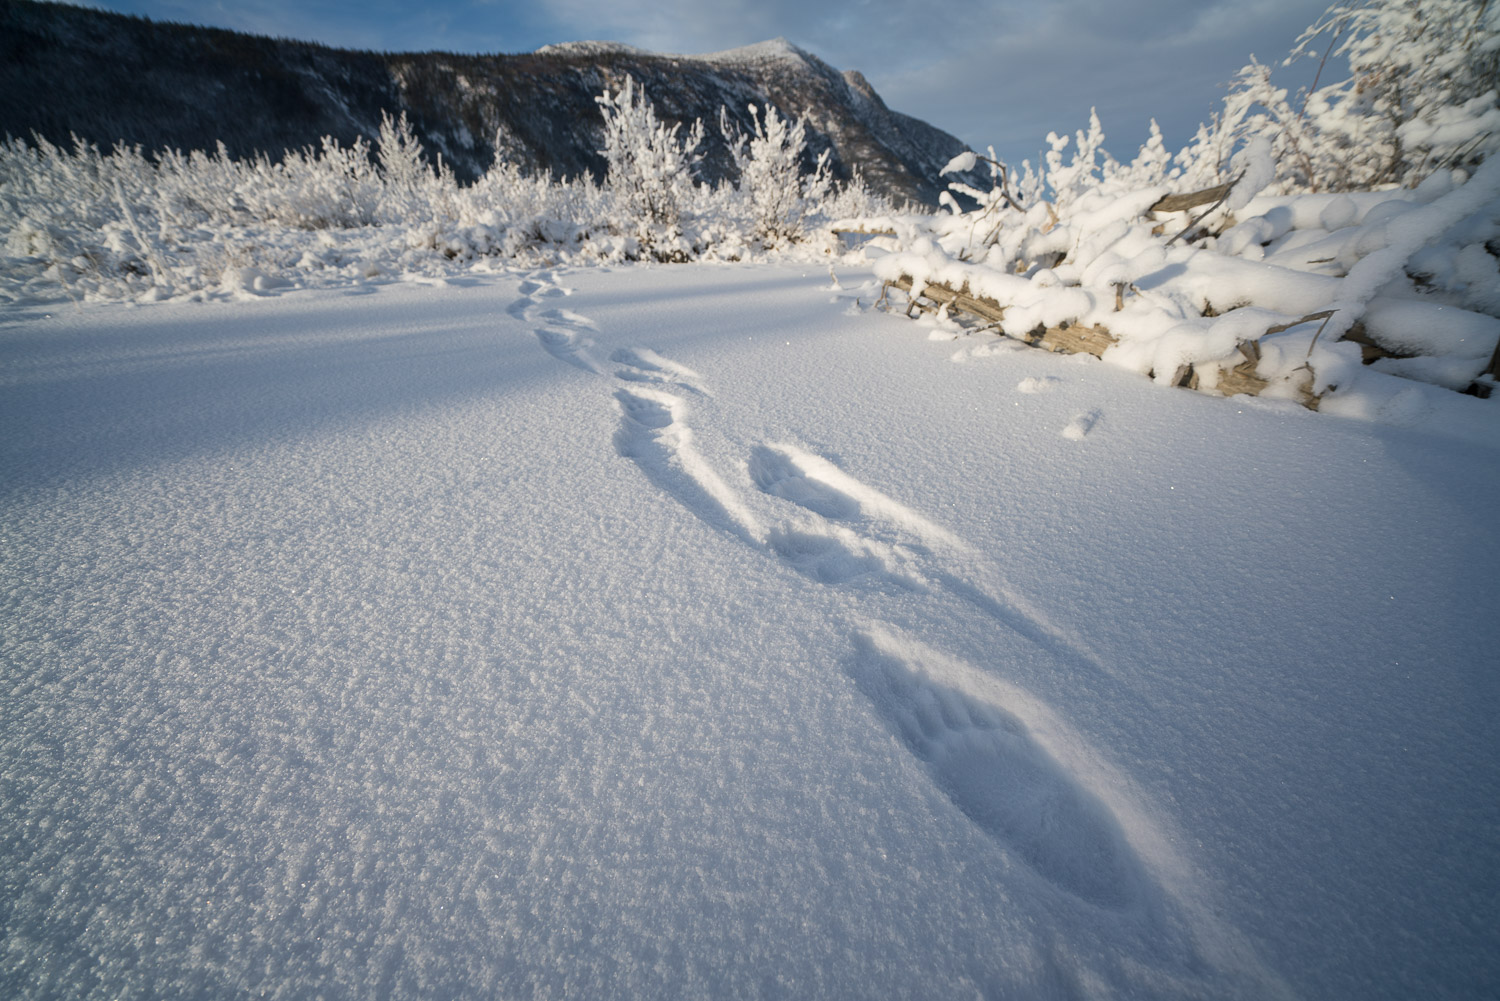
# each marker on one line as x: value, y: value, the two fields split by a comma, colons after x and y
x: 816, y: 484
x: 1081, y: 425
x: 543, y: 285
x: 822, y: 548
x: 566, y: 346
x: 995, y: 770
x: 644, y: 365
x: 776, y: 473
x: 652, y: 434
x: 557, y: 330
x: 568, y: 319
x: 833, y: 557
x: 649, y: 412
x: 916, y: 555
x: 533, y: 290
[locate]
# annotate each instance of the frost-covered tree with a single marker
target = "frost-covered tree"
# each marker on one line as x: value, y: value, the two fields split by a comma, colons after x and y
x: 412, y: 189
x: 776, y: 194
x: 1090, y: 163
x: 1255, y: 106
x: 1421, y: 93
x: 650, y: 164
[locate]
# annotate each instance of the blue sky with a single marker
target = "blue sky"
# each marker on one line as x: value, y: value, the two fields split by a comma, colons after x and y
x: 1002, y: 72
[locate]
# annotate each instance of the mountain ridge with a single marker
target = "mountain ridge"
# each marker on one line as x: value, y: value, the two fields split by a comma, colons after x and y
x: 111, y: 78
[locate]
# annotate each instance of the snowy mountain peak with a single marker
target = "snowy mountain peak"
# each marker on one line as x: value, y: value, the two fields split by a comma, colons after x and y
x: 591, y: 48
x: 776, y: 49
x: 860, y: 89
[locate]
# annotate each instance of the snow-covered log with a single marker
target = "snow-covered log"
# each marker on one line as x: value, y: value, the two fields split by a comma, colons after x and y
x: 1239, y: 378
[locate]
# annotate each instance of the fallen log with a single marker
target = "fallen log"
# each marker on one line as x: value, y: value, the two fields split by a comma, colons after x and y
x: 1071, y: 339
x: 852, y: 237
x: 1241, y: 380
x: 1067, y: 338
x: 1078, y: 339
x: 983, y: 307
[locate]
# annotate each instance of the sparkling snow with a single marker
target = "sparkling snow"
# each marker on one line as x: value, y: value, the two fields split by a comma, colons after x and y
x: 702, y: 632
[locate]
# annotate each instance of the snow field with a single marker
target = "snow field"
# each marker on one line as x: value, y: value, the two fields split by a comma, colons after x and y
x: 701, y: 632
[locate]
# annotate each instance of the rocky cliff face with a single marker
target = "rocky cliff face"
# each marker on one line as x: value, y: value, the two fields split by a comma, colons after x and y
x: 109, y: 78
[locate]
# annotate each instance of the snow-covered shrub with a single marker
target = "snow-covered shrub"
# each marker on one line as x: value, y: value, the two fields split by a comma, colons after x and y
x: 776, y: 195
x: 328, y: 188
x: 83, y: 218
x: 410, y: 189
x: 1421, y: 95
x: 650, y: 167
x: 1253, y: 279
x: 1089, y: 165
x: 853, y: 199
x: 94, y: 225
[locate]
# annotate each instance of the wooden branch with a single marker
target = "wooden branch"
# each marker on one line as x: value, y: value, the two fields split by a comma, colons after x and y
x: 1483, y: 387
x: 1073, y: 340
x: 1242, y: 380
x: 1004, y: 181
x: 1191, y: 200
x: 1224, y: 190
x: 1370, y: 350
x: 986, y: 309
x: 1297, y: 323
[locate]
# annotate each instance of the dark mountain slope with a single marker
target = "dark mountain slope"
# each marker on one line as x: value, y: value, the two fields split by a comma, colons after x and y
x: 109, y: 78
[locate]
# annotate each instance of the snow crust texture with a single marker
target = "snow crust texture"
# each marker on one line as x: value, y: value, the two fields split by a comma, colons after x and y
x: 699, y: 632
x: 987, y: 763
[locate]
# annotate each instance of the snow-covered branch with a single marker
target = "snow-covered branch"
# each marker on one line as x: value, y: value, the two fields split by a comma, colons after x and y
x: 1372, y: 215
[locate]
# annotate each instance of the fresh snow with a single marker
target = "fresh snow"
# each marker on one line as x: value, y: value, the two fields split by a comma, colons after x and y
x: 705, y: 632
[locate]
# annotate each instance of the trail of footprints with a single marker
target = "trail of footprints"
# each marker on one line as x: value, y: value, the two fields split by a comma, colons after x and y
x: 841, y: 531
x: 995, y: 769
x: 562, y: 332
